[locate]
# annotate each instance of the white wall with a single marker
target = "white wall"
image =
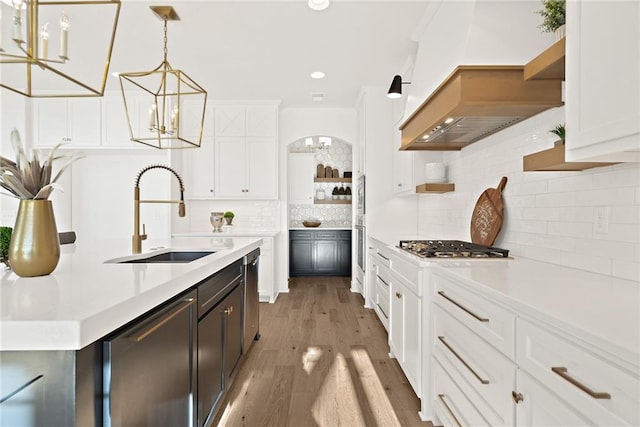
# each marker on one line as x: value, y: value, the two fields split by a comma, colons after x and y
x: 387, y: 216
x: 549, y: 216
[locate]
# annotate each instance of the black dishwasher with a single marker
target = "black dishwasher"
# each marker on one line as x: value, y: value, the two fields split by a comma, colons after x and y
x: 220, y: 334
x: 148, y: 368
x: 251, y: 300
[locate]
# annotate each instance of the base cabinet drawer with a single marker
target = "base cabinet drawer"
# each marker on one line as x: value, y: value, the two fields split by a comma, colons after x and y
x: 489, y: 320
x: 451, y: 405
x: 488, y: 376
x: 603, y: 392
x: 538, y: 406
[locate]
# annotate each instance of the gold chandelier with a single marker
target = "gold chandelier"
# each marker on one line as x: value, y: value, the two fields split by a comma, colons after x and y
x: 172, y: 102
x: 56, y: 48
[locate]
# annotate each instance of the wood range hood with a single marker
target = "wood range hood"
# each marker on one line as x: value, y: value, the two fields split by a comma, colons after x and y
x: 475, y: 102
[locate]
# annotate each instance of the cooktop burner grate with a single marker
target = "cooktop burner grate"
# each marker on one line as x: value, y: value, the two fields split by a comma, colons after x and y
x: 451, y: 249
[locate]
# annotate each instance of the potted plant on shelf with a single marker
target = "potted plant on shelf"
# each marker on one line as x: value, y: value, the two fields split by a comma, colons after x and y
x: 559, y: 132
x: 34, y: 249
x: 228, y: 217
x: 553, y: 17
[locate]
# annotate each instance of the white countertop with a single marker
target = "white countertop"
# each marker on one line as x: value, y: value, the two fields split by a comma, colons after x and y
x: 85, y: 298
x: 229, y: 231
x: 601, y: 310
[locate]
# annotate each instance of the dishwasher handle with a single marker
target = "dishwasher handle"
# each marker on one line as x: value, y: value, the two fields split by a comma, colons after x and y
x: 179, y: 308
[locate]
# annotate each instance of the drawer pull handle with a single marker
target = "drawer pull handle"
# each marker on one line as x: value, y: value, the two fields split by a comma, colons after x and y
x: 457, y: 304
x: 383, y: 257
x: 464, y: 362
x: 382, y: 280
x: 517, y: 397
x: 455, y: 419
x: 563, y: 372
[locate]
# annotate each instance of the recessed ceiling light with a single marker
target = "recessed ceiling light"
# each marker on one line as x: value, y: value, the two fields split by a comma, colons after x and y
x: 317, y: 75
x: 318, y: 4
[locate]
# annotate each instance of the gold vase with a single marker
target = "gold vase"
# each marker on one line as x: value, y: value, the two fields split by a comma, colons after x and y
x: 35, y: 247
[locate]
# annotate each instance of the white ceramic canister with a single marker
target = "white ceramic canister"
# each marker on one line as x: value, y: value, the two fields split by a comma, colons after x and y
x: 320, y: 194
x: 435, y: 172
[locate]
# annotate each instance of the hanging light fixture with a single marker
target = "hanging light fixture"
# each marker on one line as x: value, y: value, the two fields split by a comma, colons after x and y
x: 395, y: 90
x: 164, y: 96
x: 56, y: 48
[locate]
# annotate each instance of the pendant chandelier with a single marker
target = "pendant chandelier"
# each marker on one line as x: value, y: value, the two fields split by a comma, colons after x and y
x: 56, y: 48
x: 168, y: 106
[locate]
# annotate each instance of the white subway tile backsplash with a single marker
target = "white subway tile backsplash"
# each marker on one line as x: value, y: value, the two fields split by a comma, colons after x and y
x: 625, y: 214
x: 549, y: 216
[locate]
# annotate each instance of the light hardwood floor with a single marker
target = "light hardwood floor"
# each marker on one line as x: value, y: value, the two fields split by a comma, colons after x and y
x: 322, y: 360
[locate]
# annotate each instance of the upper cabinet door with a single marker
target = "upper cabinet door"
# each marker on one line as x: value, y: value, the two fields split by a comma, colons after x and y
x: 115, y: 129
x: 261, y: 121
x: 302, y: 169
x: 230, y: 121
x: 603, y: 81
x: 230, y: 167
x: 50, y: 121
x: 261, y: 168
x: 75, y: 122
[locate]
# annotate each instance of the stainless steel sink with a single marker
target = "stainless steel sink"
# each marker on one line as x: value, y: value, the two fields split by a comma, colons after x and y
x: 169, y: 257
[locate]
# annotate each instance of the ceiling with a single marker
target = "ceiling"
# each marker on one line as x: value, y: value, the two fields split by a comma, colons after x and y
x: 254, y: 50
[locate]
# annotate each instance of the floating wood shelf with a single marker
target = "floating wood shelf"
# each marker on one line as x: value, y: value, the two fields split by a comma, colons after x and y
x: 332, y: 202
x: 332, y: 179
x: 553, y: 159
x: 444, y: 187
x: 549, y: 65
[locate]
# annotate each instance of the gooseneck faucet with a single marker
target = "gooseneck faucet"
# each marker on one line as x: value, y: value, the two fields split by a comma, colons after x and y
x: 137, y: 237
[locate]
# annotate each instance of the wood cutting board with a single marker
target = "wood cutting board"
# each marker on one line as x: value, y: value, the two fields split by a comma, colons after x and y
x: 486, y: 220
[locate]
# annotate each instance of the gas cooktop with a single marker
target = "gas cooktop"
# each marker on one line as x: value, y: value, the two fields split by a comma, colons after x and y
x: 451, y: 249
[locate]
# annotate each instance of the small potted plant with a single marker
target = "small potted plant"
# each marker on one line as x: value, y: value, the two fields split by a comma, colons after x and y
x: 559, y: 132
x: 5, y: 239
x: 553, y: 17
x: 228, y: 217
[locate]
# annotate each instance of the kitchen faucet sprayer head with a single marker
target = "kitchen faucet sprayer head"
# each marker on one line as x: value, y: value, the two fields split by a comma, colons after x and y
x: 181, y: 209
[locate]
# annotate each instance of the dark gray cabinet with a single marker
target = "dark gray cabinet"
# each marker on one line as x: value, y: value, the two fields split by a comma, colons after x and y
x: 319, y: 253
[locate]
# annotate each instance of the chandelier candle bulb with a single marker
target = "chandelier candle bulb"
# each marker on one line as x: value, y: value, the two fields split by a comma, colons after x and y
x: 152, y: 117
x: 17, y: 20
x: 44, y: 42
x: 64, y: 37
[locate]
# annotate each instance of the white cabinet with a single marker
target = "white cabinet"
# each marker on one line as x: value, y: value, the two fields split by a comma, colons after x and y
x: 603, y: 81
x: 538, y: 406
x: 266, y: 282
x: 474, y: 345
x: 585, y: 380
x: 198, y: 163
x: 115, y: 129
x: 405, y: 336
x: 76, y: 122
x: 300, y: 177
x: 246, y: 168
x: 246, y: 152
x: 198, y: 170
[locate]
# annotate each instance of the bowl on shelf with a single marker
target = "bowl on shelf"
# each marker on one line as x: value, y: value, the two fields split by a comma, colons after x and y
x: 311, y: 223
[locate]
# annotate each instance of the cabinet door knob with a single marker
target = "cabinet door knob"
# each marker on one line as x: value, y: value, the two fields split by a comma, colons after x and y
x: 517, y: 397
x: 398, y: 295
x: 228, y: 310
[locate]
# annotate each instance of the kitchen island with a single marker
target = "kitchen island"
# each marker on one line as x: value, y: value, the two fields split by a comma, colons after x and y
x: 55, y: 330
